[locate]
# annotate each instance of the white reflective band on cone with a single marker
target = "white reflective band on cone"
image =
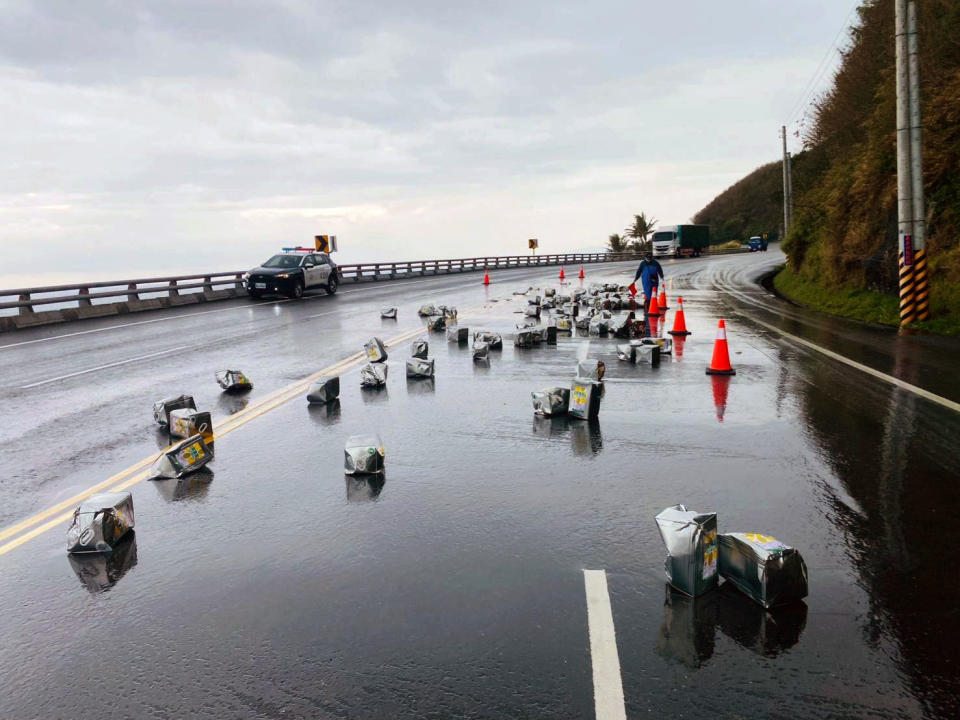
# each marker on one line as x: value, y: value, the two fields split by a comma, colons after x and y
x: 721, y: 334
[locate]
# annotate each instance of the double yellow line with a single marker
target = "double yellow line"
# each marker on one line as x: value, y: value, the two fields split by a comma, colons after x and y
x: 60, y: 513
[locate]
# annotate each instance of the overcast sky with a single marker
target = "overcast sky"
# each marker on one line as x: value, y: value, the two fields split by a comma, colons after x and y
x: 198, y: 135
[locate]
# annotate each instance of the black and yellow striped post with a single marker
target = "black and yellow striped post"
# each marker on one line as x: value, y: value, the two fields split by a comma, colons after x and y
x: 914, y: 284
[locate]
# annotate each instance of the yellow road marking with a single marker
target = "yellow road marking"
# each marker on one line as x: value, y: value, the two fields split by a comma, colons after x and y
x: 123, y: 480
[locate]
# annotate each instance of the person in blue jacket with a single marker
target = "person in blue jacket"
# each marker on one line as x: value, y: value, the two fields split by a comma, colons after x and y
x: 649, y: 274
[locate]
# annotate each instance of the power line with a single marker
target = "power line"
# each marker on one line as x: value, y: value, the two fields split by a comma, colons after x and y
x: 821, y: 69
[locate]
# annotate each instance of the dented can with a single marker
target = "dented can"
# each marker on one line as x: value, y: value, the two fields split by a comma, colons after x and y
x: 550, y: 334
x: 598, y: 326
x: 375, y: 350
x: 549, y: 292
x: 363, y: 455
x: 428, y: 311
x: 233, y: 380
x: 183, y: 458
x: 532, y: 311
x: 691, y: 541
x: 627, y: 353
x: 592, y: 369
x: 420, y: 349
x: 494, y: 340
x: 458, y: 334
x: 99, y: 522
x: 163, y: 408
x: 420, y: 368
x: 765, y: 569
x: 324, y: 390
x: 646, y: 352
x: 184, y: 423
x: 564, y: 324
x: 665, y: 344
x: 527, y: 338
x: 389, y: 313
x: 551, y: 401
x: 585, y: 395
x: 373, y: 376
x: 481, y: 350
x: 437, y: 324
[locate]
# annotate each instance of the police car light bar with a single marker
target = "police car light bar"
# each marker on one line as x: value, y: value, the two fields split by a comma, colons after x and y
x: 297, y: 249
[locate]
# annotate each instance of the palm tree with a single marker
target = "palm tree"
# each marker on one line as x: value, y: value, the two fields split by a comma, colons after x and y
x: 640, y: 230
x: 617, y: 244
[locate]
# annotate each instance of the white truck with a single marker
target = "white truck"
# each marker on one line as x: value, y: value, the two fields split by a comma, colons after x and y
x: 680, y: 240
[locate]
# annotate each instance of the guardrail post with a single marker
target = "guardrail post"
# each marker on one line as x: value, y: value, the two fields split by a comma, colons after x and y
x: 25, y: 309
x: 132, y: 296
x: 238, y: 285
x: 172, y: 289
x: 81, y: 300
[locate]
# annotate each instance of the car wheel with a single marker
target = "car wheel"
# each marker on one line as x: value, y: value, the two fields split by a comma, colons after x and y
x: 333, y: 284
x: 297, y: 292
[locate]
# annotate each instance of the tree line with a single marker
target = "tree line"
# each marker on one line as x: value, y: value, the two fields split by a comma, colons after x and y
x: 635, y: 237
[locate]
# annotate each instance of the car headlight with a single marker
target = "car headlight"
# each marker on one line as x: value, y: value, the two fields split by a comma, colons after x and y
x: 283, y: 276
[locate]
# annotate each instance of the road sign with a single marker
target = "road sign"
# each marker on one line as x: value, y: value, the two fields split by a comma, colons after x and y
x: 533, y: 243
x: 326, y: 243
x: 907, y: 250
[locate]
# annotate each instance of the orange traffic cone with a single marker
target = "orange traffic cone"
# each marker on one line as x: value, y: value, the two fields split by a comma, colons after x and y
x: 720, y: 387
x: 486, y: 278
x: 652, y: 329
x: 678, y: 347
x: 663, y: 300
x: 562, y: 274
x: 653, y: 308
x: 679, y: 322
x: 720, y: 363
x: 581, y: 273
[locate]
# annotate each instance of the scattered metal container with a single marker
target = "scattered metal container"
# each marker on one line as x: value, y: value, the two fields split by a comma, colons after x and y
x: 449, y: 312
x: 765, y: 569
x: 598, y: 326
x: 458, y: 334
x: 532, y: 311
x: 583, y: 323
x: 591, y: 369
x: 494, y: 340
x: 551, y: 401
x: 428, y: 311
x: 373, y: 376
x: 185, y: 423
x: 691, y: 541
x: 585, y: 395
x: 419, y: 349
x: 389, y: 313
x: 437, y: 324
x: 481, y: 350
x: 233, y: 381
x: 527, y: 338
x: 363, y: 455
x: 627, y: 353
x: 324, y: 390
x: 375, y: 350
x: 183, y: 458
x: 564, y: 324
x: 535, y: 300
x: 665, y: 344
x: 646, y: 352
x: 163, y: 408
x: 419, y: 368
x: 99, y: 522
x: 550, y: 334
x: 549, y: 292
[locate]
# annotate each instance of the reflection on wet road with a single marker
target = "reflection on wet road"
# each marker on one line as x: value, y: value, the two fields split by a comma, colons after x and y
x: 275, y: 586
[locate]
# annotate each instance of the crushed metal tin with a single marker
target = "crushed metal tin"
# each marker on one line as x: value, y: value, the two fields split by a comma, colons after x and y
x: 437, y: 324
x: 528, y: 338
x: 481, y: 350
x: 627, y: 353
x: 564, y: 324
x: 665, y: 344
x: 363, y: 455
x: 419, y: 368
x: 591, y: 369
x: 585, y: 394
x: 532, y: 311
x: 428, y: 311
x: 551, y: 401
x: 375, y: 350
x: 99, y: 522
x: 550, y: 334
x: 494, y: 340
x: 598, y: 326
x: 183, y: 458
x: 691, y: 541
x: 646, y: 352
x: 373, y: 376
x: 549, y: 292
x: 324, y: 390
x: 765, y: 569
x: 233, y: 380
x: 163, y: 408
x: 389, y: 313
x: 419, y: 349
x: 185, y: 423
x: 458, y: 334
x: 535, y: 300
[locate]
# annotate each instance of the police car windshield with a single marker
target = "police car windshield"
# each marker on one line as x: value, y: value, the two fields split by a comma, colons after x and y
x: 283, y: 261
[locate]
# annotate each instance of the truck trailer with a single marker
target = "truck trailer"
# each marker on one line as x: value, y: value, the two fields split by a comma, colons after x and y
x: 680, y: 240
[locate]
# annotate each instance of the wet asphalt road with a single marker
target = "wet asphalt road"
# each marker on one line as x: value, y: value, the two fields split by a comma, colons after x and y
x: 274, y: 587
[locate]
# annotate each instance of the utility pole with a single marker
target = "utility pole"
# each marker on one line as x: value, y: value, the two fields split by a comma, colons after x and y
x: 790, y: 187
x: 912, y: 260
x: 787, y: 198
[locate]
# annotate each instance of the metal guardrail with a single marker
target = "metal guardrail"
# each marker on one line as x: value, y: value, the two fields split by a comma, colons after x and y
x: 77, y: 300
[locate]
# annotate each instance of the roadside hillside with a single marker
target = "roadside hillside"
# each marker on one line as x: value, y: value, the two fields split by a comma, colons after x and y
x: 843, y: 240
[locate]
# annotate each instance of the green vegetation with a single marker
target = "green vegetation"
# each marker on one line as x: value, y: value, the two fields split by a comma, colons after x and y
x: 641, y: 228
x: 729, y: 245
x: 843, y: 240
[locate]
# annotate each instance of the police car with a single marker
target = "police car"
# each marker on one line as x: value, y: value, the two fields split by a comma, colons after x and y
x: 291, y: 272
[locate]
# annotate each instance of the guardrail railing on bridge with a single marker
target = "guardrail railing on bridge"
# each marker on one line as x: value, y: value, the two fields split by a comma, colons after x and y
x: 64, y: 303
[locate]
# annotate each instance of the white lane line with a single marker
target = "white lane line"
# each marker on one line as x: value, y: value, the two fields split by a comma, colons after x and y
x: 104, y: 367
x: 926, y: 394
x: 607, y: 684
